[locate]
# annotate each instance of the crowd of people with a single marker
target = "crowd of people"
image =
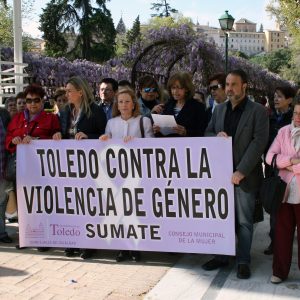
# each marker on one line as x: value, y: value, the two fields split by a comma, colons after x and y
x: 258, y: 132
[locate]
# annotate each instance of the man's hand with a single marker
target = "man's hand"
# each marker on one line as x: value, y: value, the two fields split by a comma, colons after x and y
x: 236, y: 178
x: 222, y: 134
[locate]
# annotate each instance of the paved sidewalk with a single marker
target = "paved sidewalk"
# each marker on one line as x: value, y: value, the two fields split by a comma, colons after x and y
x: 28, y: 274
x: 188, y: 281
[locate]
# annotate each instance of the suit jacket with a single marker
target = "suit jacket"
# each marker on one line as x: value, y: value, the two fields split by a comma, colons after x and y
x: 92, y: 126
x: 249, y: 142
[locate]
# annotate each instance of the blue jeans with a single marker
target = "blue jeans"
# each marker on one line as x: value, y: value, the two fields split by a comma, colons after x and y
x: 244, y: 210
x: 5, y: 186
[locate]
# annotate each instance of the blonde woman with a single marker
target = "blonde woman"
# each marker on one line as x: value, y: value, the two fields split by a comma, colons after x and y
x: 81, y: 119
x: 127, y: 123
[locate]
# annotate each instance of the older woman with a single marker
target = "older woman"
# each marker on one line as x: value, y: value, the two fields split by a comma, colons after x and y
x: 32, y: 123
x: 127, y: 123
x: 81, y: 119
x: 287, y: 147
x: 189, y: 113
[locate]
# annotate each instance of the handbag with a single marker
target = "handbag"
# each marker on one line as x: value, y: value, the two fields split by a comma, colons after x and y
x: 10, y: 168
x: 258, y: 215
x: 272, y: 189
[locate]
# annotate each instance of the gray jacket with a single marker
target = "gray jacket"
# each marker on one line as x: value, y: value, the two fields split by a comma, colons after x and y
x: 249, y: 143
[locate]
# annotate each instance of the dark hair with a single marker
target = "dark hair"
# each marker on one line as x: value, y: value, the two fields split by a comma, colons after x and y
x: 9, y: 100
x: 112, y: 81
x: 240, y: 73
x: 20, y: 95
x: 124, y: 83
x: 220, y: 77
x: 296, y: 101
x: 147, y: 81
x: 34, y: 89
x: 58, y: 93
x: 185, y: 81
x: 287, y: 91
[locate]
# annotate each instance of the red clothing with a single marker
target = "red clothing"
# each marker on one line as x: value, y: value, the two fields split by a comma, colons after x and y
x: 42, y: 127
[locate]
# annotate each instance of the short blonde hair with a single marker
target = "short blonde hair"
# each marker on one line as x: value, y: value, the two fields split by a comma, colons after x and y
x: 130, y: 92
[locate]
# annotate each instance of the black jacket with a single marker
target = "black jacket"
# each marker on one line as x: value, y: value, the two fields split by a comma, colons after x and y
x: 192, y: 116
x: 5, y: 117
x: 93, y: 127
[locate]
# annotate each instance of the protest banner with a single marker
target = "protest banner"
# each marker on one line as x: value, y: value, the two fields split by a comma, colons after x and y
x: 171, y: 194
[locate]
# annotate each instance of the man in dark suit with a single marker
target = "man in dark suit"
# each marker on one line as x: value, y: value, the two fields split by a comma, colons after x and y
x: 247, y: 124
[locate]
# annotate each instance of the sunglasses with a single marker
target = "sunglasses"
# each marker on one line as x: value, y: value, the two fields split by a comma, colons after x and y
x: 150, y: 90
x: 33, y: 100
x: 215, y: 87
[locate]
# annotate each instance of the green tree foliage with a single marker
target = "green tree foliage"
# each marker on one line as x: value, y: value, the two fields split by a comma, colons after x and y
x: 134, y: 34
x: 171, y: 22
x: 275, y: 60
x: 90, y: 29
x: 162, y: 8
x: 287, y: 14
x: 6, y: 28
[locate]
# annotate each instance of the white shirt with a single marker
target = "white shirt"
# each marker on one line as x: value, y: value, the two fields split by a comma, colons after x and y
x: 118, y: 128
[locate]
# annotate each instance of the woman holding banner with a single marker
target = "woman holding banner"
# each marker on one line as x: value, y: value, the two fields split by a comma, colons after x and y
x: 81, y: 119
x: 287, y: 147
x: 31, y: 124
x: 127, y: 123
x: 189, y: 114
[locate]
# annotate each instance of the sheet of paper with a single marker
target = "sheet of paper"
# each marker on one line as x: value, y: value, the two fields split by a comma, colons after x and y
x: 165, y: 122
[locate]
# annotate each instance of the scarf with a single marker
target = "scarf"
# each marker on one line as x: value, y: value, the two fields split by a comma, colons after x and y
x: 295, y: 134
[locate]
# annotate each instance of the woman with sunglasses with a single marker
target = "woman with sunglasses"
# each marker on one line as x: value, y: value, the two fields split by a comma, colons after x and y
x: 149, y: 96
x: 33, y: 123
x: 189, y: 114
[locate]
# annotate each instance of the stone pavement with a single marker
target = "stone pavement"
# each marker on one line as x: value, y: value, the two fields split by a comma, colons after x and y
x: 28, y: 274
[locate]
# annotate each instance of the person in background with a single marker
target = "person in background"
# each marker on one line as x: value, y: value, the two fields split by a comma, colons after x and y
x: 11, y: 207
x: 149, y: 96
x: 107, y: 91
x: 199, y: 96
x: 216, y: 87
x: 81, y: 119
x: 281, y: 115
x: 189, y: 113
x: 287, y: 147
x: 246, y: 122
x: 11, y: 106
x: 32, y: 123
x: 124, y: 84
x: 127, y: 123
x: 21, y: 102
x: 4, y: 184
x: 60, y: 99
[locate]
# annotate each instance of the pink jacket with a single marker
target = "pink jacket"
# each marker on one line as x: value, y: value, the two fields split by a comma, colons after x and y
x: 282, y: 146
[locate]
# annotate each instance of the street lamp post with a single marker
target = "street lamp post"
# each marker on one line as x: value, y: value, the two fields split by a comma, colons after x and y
x: 226, y: 23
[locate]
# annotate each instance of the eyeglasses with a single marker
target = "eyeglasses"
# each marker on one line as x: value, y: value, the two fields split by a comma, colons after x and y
x: 215, y: 87
x: 33, y: 100
x: 21, y: 102
x: 150, y: 90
